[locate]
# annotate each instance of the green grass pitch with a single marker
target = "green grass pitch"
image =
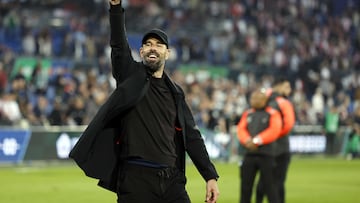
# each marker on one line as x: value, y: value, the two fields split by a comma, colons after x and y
x: 310, y: 180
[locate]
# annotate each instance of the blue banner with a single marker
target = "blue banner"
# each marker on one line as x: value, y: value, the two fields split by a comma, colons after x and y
x: 13, y: 144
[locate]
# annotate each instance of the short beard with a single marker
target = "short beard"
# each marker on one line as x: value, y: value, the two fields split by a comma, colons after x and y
x: 153, y: 66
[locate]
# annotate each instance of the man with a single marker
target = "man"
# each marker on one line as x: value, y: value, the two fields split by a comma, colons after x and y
x: 136, y: 143
x: 281, y: 89
x: 257, y: 131
x: 352, y: 147
x: 331, y: 127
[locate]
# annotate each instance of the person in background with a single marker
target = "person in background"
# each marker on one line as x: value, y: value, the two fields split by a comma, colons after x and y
x: 136, y: 143
x: 257, y: 131
x: 10, y: 113
x: 76, y: 112
x: 352, y: 147
x: 3, y: 78
x: 41, y: 111
x: 278, y: 99
x: 331, y: 127
x: 57, y: 115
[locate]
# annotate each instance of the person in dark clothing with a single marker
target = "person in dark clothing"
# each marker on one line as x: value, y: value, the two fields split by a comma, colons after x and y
x: 136, y: 143
x: 278, y: 94
x: 257, y: 131
x: 56, y: 116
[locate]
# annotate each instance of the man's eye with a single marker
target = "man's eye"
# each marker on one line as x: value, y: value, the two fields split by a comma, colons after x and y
x: 158, y: 45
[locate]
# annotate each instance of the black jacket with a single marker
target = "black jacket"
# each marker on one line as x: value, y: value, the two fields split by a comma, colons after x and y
x: 95, y: 152
x: 286, y: 109
x: 263, y: 123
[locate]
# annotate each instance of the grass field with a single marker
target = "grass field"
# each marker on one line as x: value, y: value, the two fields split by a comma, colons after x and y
x: 310, y: 180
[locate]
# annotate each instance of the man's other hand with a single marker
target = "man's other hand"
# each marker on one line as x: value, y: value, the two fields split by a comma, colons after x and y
x: 212, y: 191
x: 250, y: 145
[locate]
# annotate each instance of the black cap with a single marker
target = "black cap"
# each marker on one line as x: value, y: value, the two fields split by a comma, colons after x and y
x: 158, y: 34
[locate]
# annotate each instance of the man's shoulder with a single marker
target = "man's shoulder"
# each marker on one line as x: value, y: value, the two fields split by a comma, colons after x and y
x: 282, y: 100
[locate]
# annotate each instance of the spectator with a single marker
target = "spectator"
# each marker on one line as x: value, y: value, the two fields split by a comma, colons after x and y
x: 318, y: 105
x: 321, y: 54
x: 39, y: 78
x: 29, y: 44
x: 57, y: 115
x: 9, y: 109
x: 41, y: 111
x: 75, y: 114
x: 223, y: 137
x: 3, y: 78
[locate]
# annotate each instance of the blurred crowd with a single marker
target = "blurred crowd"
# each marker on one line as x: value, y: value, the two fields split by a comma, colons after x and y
x: 316, y: 44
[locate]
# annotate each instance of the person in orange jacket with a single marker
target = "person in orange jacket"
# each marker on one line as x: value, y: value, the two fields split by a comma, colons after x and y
x: 257, y: 131
x: 278, y: 99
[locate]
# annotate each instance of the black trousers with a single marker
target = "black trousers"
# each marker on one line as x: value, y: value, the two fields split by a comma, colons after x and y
x: 330, y: 144
x: 141, y: 184
x: 252, y: 164
x: 282, y: 163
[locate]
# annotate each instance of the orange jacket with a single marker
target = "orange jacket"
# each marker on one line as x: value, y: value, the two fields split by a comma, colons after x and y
x: 252, y: 125
x: 288, y: 115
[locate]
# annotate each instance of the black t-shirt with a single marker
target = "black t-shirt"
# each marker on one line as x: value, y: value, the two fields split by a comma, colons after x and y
x: 148, y: 129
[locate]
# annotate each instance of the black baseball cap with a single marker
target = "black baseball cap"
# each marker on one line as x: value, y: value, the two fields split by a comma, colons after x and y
x: 158, y: 34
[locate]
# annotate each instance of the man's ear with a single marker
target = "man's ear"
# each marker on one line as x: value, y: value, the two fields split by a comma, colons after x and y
x: 141, y: 52
x: 168, y: 52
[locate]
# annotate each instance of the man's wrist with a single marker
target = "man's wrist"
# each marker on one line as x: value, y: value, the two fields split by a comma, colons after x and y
x: 257, y: 140
x: 215, y: 179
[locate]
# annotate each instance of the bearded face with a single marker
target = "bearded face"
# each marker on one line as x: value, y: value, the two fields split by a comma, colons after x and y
x: 154, y: 54
x: 153, y: 61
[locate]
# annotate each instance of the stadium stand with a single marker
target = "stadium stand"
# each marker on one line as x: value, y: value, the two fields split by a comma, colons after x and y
x: 58, y: 52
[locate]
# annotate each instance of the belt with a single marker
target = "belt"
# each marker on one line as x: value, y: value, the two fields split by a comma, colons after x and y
x: 146, y: 163
x: 160, y: 170
x: 167, y: 172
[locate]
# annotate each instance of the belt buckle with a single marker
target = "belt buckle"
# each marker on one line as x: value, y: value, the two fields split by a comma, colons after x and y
x: 166, y: 172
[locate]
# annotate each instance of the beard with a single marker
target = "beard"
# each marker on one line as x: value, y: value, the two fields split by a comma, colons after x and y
x: 153, y: 65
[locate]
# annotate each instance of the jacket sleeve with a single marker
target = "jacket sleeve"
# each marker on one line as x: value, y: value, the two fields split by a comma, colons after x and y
x: 271, y: 133
x: 242, y: 131
x: 288, y: 113
x: 121, y: 58
x: 195, y: 147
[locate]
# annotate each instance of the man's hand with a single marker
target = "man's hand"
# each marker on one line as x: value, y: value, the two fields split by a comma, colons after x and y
x: 115, y: 2
x: 250, y: 145
x: 212, y: 191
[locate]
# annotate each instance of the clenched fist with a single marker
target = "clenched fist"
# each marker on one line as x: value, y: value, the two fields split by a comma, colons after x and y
x: 115, y: 2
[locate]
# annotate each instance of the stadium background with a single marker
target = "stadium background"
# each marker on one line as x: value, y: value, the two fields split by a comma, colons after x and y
x: 55, y: 70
